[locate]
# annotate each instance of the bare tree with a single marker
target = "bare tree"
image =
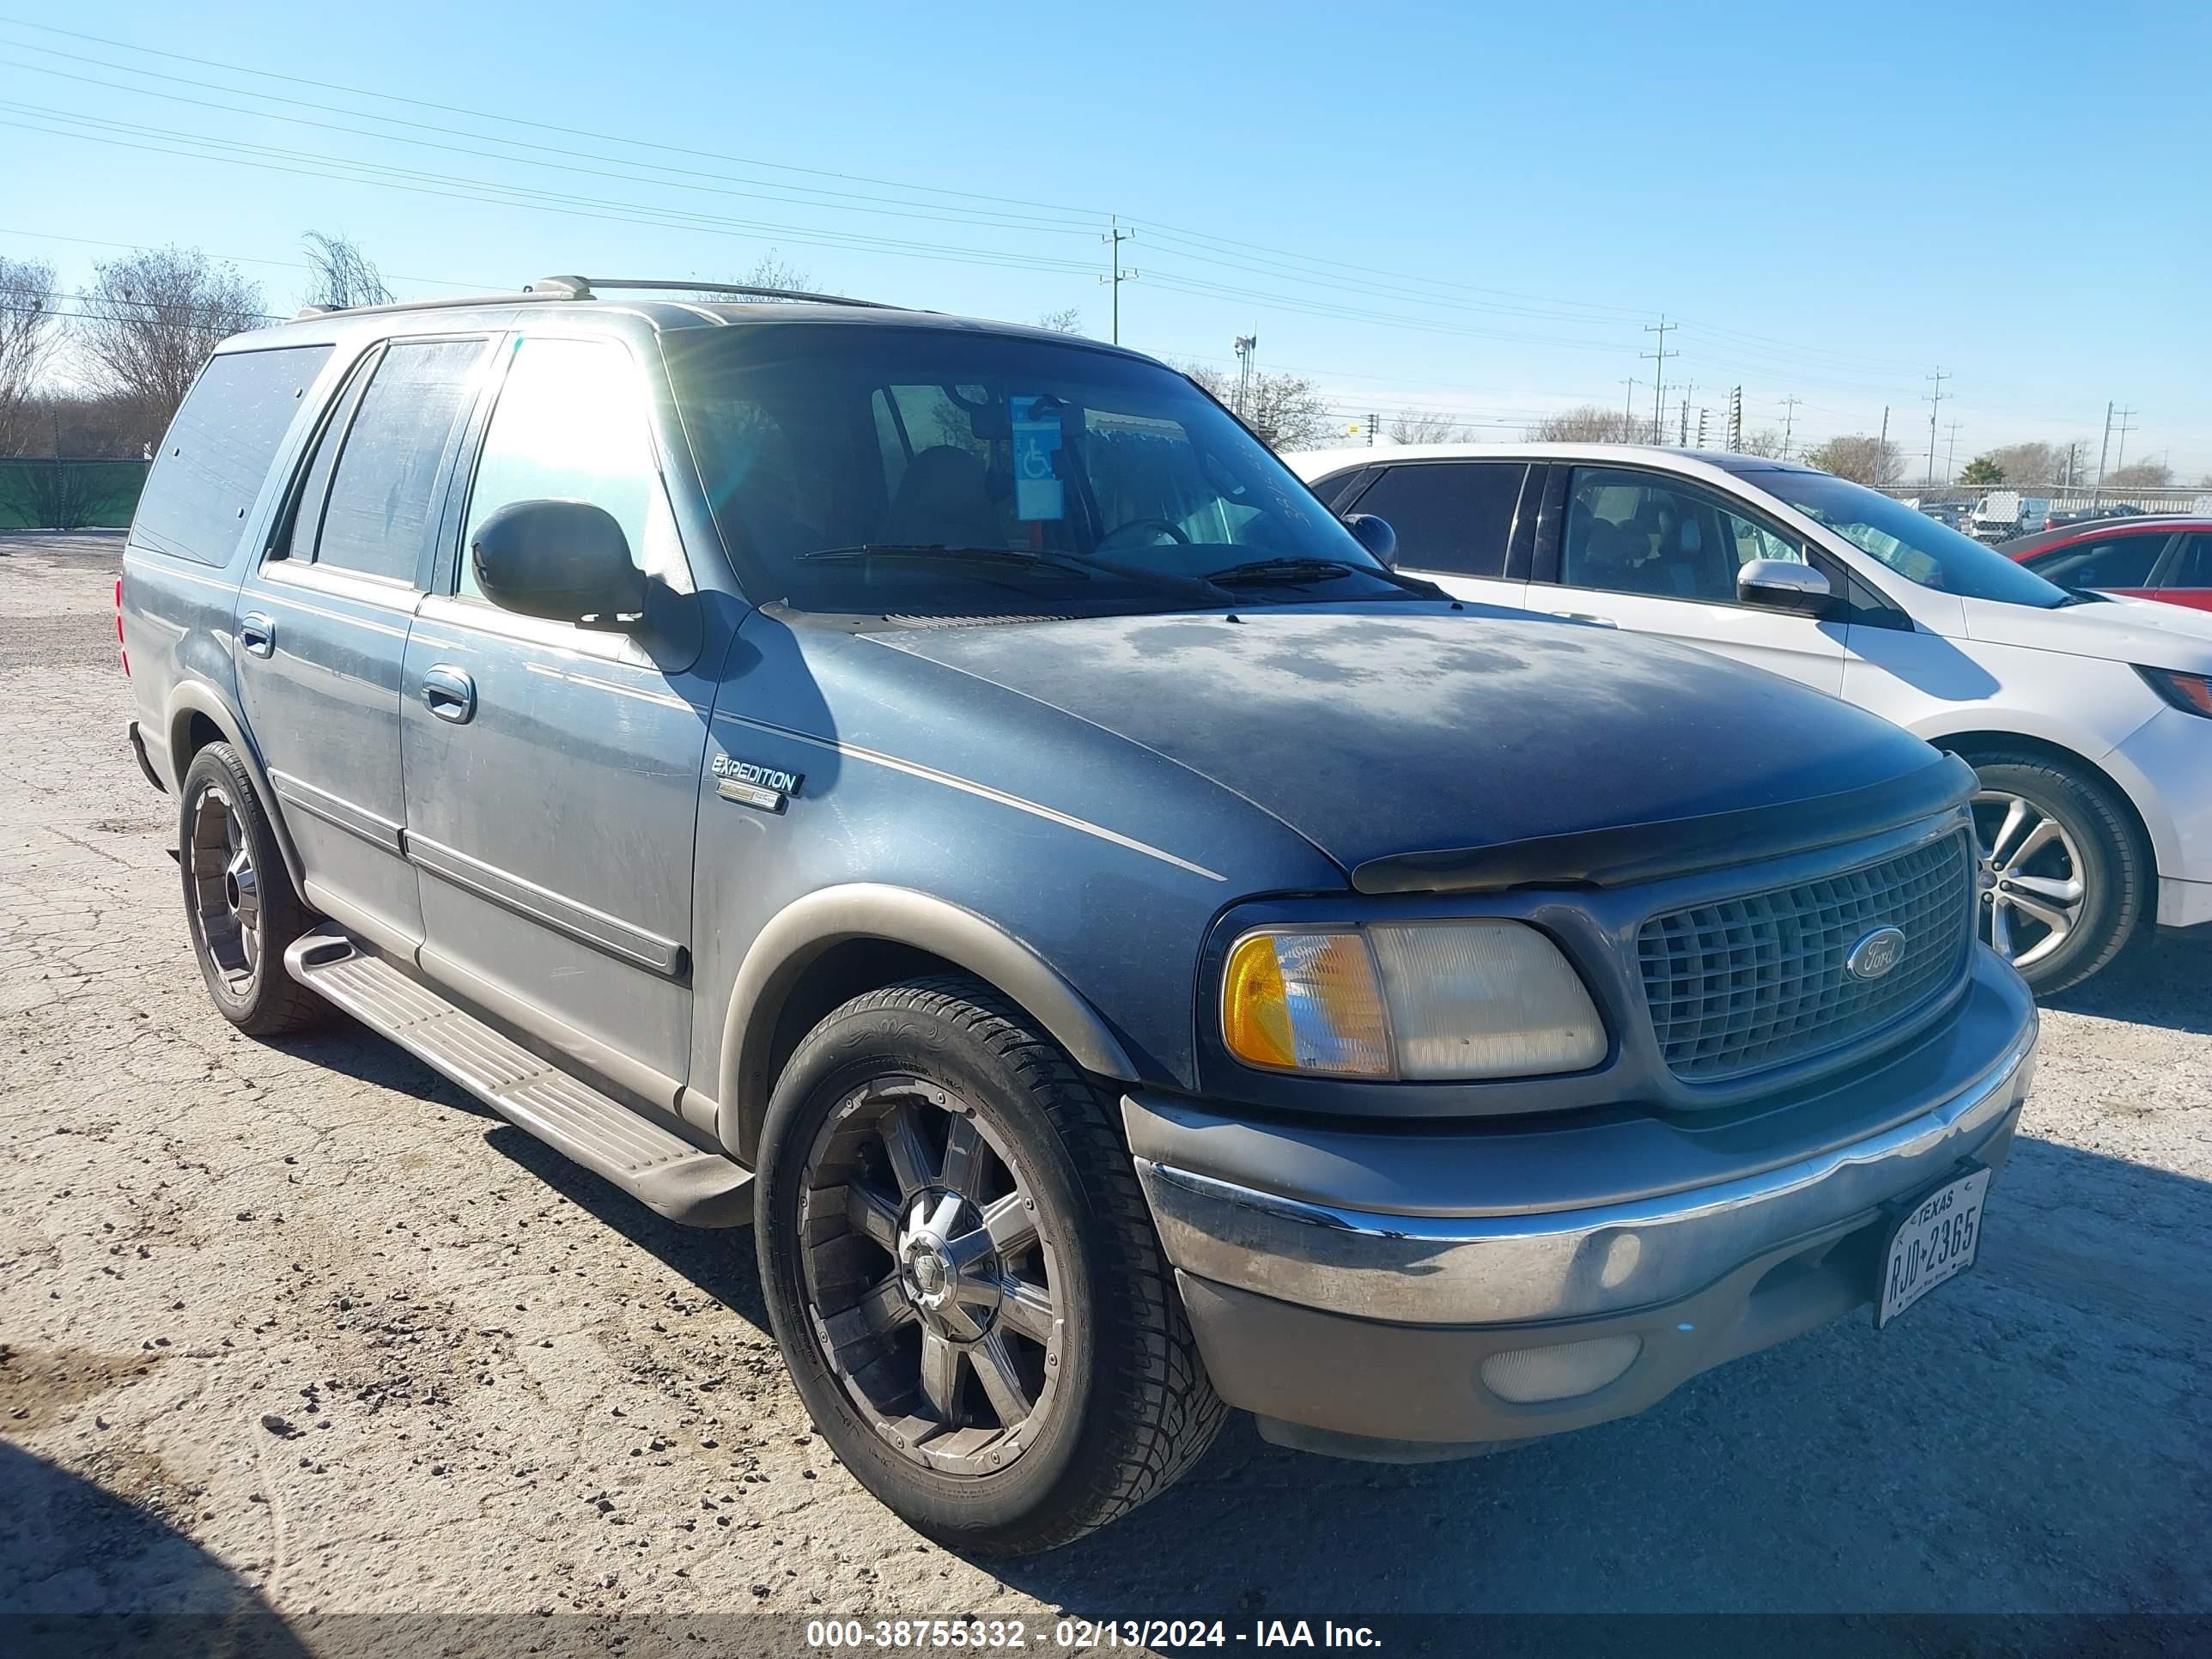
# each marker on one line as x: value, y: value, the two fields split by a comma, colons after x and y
x: 151, y: 319
x: 2024, y: 464
x: 1285, y: 410
x: 2140, y: 475
x: 1066, y: 320
x: 1766, y: 442
x: 1861, y: 458
x: 344, y: 276
x: 1413, y: 426
x: 28, y: 333
x: 1588, y: 423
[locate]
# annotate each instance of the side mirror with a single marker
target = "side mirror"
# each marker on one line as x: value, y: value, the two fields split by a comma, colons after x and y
x: 1783, y: 585
x: 562, y: 560
x: 1377, y: 536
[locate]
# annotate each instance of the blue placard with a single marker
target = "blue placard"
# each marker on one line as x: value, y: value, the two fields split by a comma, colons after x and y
x: 1038, y: 492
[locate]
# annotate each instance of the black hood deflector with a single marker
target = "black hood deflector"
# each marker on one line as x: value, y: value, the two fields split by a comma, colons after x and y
x: 1622, y: 854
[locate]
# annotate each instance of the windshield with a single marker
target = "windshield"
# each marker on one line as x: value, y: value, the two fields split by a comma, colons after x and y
x: 857, y: 467
x: 1909, y: 542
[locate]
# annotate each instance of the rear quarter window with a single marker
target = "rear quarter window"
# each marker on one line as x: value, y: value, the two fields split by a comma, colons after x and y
x: 218, y: 449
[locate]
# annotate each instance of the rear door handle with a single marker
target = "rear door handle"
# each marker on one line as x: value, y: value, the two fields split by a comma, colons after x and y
x: 1587, y: 616
x: 257, y: 634
x: 449, y: 694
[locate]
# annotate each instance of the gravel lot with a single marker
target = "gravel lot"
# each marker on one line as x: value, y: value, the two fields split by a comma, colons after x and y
x: 302, y: 1326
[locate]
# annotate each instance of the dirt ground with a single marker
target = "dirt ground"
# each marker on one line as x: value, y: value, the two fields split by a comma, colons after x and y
x: 300, y: 1327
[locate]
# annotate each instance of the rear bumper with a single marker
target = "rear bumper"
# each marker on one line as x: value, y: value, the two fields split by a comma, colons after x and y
x: 1348, y: 1286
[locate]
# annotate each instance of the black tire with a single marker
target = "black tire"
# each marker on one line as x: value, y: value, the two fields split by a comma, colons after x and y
x: 2115, y: 868
x: 1133, y: 1408
x: 219, y: 817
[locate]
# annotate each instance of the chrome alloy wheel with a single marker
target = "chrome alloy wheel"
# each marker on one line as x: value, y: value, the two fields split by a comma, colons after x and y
x: 2030, y: 876
x: 928, y: 1279
x: 226, y: 888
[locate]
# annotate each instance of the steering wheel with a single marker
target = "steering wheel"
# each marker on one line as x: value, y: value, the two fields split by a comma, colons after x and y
x: 1120, y: 531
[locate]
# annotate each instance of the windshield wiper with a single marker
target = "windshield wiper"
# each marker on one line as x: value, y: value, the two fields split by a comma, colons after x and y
x: 1286, y: 570
x: 1012, y: 558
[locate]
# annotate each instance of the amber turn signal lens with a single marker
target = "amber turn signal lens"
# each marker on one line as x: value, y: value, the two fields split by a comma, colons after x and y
x: 1305, y: 1002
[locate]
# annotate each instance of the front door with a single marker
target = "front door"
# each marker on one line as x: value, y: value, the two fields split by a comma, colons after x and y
x: 323, y: 620
x: 552, y: 771
x: 1455, y: 520
x: 1656, y: 554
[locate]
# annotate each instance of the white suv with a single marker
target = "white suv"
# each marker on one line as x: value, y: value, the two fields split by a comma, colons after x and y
x: 2089, y: 719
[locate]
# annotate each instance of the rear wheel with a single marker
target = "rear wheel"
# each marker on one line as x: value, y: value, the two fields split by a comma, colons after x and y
x: 964, y: 1277
x: 238, y: 899
x: 2063, y: 880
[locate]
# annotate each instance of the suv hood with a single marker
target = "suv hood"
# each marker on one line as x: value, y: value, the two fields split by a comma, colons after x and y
x: 2147, y: 631
x: 1376, y: 731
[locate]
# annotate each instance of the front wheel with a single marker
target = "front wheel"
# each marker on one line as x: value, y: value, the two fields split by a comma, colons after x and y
x: 964, y: 1277
x: 2063, y: 880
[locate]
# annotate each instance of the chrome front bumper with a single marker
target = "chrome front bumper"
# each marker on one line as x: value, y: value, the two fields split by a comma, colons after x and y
x: 1476, y: 1237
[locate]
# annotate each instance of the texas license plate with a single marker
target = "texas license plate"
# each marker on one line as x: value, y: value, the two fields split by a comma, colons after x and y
x: 1933, y: 1241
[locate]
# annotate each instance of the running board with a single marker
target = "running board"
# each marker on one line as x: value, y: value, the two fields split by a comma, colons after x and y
x: 659, y: 1169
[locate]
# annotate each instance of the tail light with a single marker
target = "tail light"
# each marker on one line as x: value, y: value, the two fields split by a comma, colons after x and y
x: 121, y: 655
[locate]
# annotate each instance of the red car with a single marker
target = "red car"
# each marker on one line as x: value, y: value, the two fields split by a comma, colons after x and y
x: 2146, y: 558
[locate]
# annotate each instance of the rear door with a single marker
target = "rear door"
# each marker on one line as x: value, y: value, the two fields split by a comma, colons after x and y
x: 2187, y: 577
x: 1655, y: 553
x: 552, y: 771
x: 1455, y: 522
x: 323, y: 617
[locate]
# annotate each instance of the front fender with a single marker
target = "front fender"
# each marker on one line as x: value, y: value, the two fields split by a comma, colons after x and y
x: 798, y: 934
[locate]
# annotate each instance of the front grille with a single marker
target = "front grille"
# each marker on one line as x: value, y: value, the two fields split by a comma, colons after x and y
x: 1755, y: 983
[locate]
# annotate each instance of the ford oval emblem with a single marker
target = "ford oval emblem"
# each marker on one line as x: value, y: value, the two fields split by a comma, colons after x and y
x: 1876, y: 954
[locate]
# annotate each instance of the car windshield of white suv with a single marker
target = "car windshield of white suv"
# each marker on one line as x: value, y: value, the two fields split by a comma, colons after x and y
x: 858, y: 467
x: 1909, y: 542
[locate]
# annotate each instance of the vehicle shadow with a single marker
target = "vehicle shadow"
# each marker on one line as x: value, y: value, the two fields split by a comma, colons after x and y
x: 84, y: 1571
x: 2161, y: 978
x: 2033, y: 1438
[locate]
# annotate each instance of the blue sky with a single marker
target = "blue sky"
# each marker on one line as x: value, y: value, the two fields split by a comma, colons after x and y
x: 1473, y: 208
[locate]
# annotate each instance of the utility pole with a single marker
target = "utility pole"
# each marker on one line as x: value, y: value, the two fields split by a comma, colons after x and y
x: 1682, y: 436
x: 1788, y: 420
x: 1628, y: 409
x: 2120, y: 456
x: 1935, y: 403
x: 1702, y: 413
x: 2097, y: 493
x: 1736, y: 418
x: 1246, y: 344
x: 1881, y: 451
x: 1373, y: 421
x: 1951, y: 449
x: 1115, y: 238
x: 1659, y: 374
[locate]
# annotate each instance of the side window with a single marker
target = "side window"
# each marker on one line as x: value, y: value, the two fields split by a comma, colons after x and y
x: 570, y: 423
x: 378, y: 518
x: 2194, y: 567
x: 218, y: 450
x: 1637, y: 532
x: 1455, y: 517
x: 2105, y: 561
x: 298, y: 539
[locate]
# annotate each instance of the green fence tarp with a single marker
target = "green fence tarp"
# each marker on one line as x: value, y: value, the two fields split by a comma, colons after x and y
x: 36, y: 494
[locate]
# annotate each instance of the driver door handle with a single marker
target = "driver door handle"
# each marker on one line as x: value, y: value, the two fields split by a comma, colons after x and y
x: 449, y: 694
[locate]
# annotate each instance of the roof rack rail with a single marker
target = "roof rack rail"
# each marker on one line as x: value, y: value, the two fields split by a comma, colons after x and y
x: 580, y: 288
x: 539, y: 294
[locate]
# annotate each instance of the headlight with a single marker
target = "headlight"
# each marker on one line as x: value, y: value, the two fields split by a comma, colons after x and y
x: 1420, y: 1001
x: 2191, y: 692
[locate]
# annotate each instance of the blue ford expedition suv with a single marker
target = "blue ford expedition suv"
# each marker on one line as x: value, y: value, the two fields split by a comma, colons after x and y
x: 945, y: 795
